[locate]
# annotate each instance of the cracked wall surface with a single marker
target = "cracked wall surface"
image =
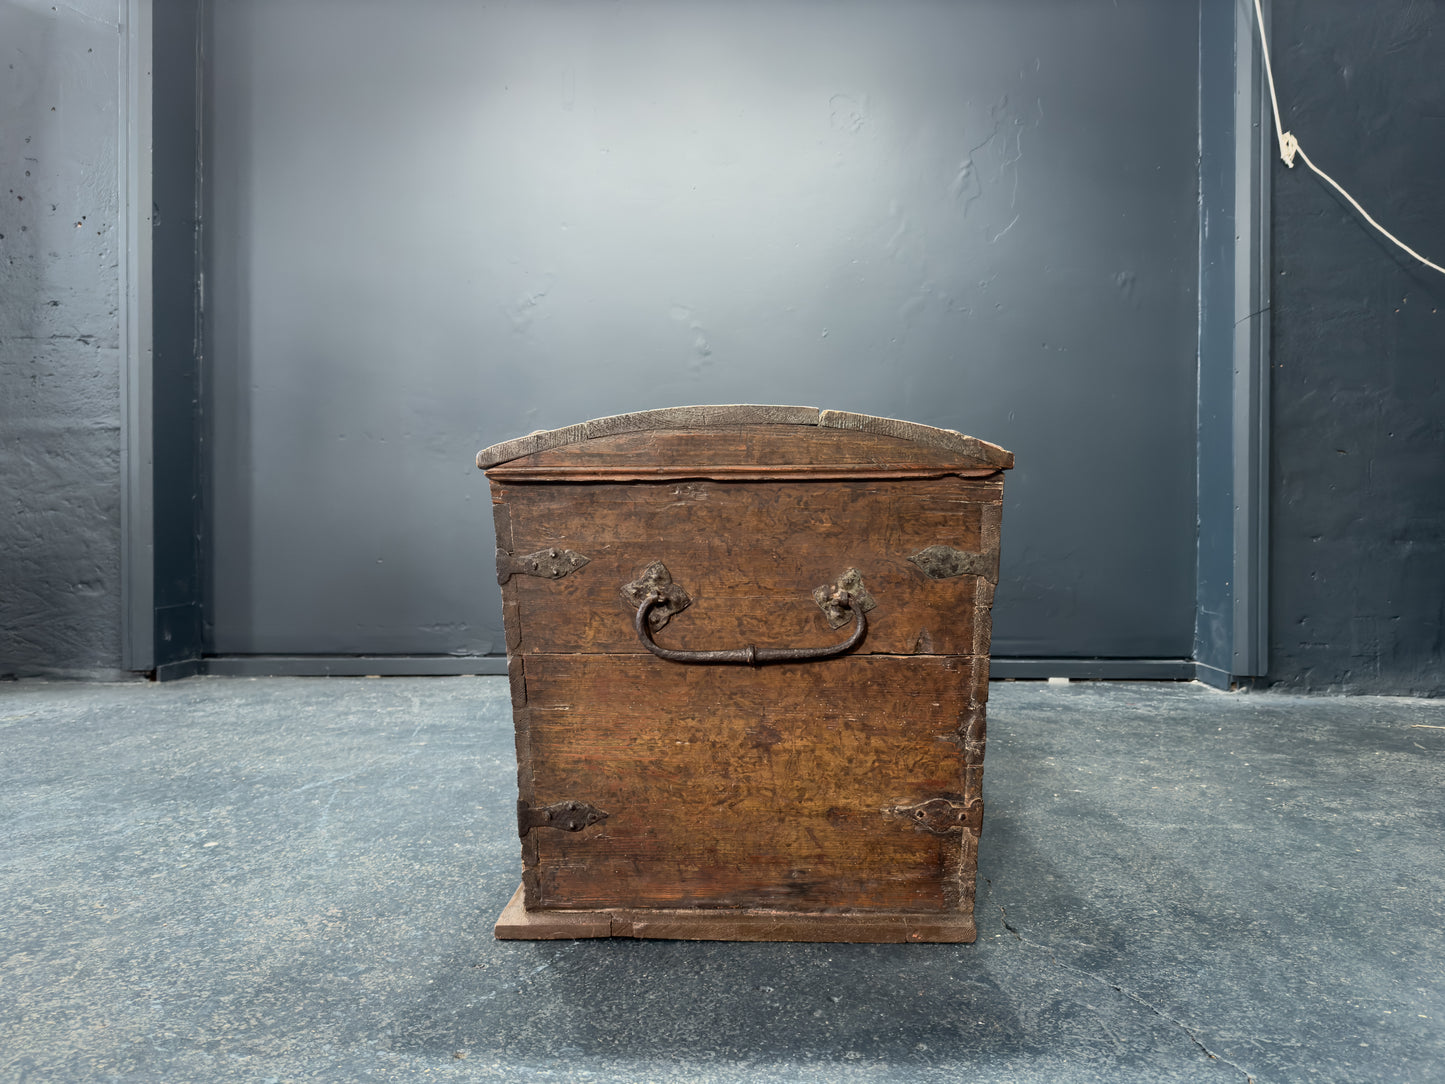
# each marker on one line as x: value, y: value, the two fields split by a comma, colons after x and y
x: 59, y: 340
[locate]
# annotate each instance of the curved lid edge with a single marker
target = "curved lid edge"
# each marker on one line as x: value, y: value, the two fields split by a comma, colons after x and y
x: 709, y: 416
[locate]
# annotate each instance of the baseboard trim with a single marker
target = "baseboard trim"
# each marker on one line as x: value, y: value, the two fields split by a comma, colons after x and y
x: 1213, y: 676
x: 175, y: 671
x: 351, y: 665
x: 1005, y: 668
x: 1024, y: 669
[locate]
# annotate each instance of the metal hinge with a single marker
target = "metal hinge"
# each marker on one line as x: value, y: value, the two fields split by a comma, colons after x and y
x: 941, y: 816
x: 945, y: 562
x: 550, y: 564
x: 567, y: 816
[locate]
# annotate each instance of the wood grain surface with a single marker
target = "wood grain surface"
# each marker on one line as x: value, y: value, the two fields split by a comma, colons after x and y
x: 754, y: 446
x: 965, y: 450
x: 773, y: 791
x: 747, y: 802
x: 516, y: 923
x: 749, y: 554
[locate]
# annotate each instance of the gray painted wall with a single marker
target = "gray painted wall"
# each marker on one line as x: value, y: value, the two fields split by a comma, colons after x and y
x: 1214, y: 639
x: 1231, y: 624
x: 1358, y: 600
x: 1358, y: 517
x: 60, y: 609
x: 438, y: 225
x: 176, y: 384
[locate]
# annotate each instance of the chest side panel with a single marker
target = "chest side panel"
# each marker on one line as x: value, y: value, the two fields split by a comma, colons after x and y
x: 791, y: 787
x: 749, y: 555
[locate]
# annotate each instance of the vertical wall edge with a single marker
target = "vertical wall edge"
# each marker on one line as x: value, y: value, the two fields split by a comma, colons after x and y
x: 1251, y: 350
x: 133, y: 228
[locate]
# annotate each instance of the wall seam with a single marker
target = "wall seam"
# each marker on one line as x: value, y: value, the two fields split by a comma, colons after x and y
x: 134, y: 296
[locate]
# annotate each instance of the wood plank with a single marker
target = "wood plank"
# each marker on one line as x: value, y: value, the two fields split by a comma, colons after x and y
x: 962, y: 445
x: 750, y: 555
x: 965, y: 450
x: 727, y: 473
x: 521, y: 722
x: 766, y: 788
x: 774, y: 926
x: 517, y: 923
x: 743, y: 447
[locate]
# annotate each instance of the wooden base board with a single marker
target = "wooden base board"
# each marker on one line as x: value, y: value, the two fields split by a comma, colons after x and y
x: 518, y: 924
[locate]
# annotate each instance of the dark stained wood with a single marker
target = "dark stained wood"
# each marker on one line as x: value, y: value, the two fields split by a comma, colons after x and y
x: 511, y: 619
x: 746, y: 448
x: 967, y: 451
x: 521, y: 720
x: 750, y: 555
x: 747, y: 802
x: 768, y: 792
x: 982, y: 627
x: 728, y: 473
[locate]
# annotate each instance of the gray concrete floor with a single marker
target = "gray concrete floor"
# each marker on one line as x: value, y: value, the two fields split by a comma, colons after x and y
x: 295, y: 879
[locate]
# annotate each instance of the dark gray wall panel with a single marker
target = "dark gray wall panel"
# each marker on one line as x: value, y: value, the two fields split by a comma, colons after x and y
x: 1214, y: 639
x: 437, y: 225
x: 1231, y: 628
x: 1358, y: 576
x: 176, y: 386
x: 60, y: 609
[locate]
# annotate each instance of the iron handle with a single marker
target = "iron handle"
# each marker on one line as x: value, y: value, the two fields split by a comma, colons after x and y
x: 750, y: 655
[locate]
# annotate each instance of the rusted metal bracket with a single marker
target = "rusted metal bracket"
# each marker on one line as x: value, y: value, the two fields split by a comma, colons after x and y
x: 839, y: 601
x: 568, y: 816
x: 656, y: 580
x: 941, y: 816
x: 550, y: 564
x: 945, y: 562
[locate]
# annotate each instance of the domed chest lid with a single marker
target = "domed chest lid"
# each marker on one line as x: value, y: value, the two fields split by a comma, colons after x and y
x: 741, y: 441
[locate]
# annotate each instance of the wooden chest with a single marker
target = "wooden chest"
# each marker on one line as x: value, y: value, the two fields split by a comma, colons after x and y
x: 748, y: 651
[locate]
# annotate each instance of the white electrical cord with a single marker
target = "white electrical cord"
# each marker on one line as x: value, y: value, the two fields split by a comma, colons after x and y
x: 1289, y: 147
